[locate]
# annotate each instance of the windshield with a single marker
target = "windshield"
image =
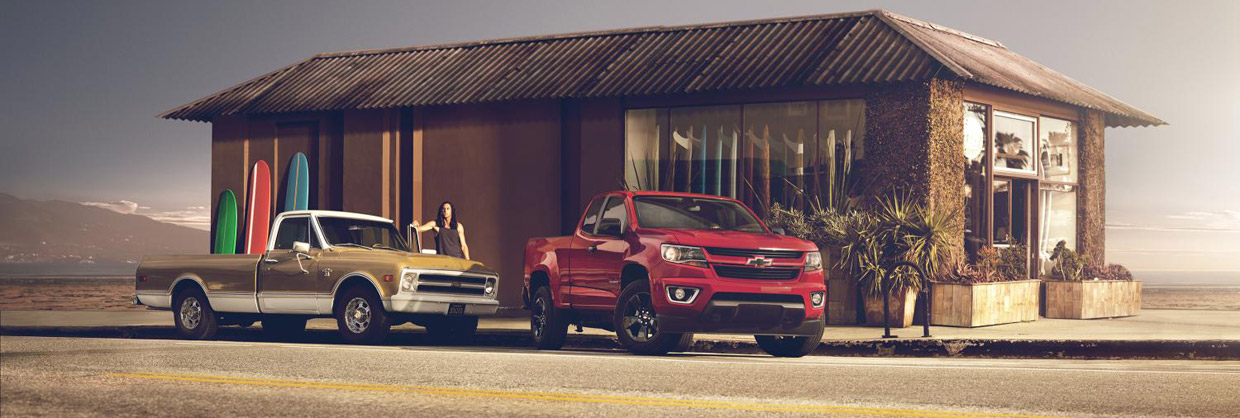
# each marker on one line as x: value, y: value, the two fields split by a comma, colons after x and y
x: 357, y: 232
x: 676, y: 212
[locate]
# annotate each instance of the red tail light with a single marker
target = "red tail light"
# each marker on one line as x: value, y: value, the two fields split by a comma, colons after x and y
x: 141, y: 279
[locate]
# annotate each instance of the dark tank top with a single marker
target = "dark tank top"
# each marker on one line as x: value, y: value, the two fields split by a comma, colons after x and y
x: 448, y: 242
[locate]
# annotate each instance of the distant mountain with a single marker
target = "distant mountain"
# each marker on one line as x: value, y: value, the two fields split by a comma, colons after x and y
x: 33, y: 231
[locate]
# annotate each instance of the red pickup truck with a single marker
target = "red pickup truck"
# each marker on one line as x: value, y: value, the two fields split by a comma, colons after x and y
x: 656, y: 267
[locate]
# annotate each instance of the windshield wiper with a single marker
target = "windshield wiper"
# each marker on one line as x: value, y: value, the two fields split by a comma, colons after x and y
x: 350, y: 244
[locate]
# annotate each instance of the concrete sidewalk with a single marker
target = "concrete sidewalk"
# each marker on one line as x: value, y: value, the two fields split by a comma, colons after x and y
x: 1177, y: 325
x: 1152, y: 325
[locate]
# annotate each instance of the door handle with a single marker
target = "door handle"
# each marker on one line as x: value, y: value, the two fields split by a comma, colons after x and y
x: 592, y: 248
x: 271, y: 261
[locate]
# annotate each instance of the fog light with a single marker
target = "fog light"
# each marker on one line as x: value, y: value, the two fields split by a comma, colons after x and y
x: 682, y: 295
x: 817, y: 298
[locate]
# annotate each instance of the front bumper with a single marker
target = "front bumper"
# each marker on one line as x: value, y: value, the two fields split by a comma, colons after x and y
x: 438, y: 304
x: 745, y: 317
x: 741, y: 306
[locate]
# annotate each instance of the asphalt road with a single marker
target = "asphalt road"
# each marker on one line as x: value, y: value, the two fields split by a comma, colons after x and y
x: 61, y: 376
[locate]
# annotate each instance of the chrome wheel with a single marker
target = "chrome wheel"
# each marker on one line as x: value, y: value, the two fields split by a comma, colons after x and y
x: 639, y: 321
x: 357, y: 315
x: 191, y: 312
x: 538, y: 317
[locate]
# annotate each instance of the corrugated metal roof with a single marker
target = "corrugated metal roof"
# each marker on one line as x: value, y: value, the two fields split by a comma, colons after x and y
x: 850, y: 48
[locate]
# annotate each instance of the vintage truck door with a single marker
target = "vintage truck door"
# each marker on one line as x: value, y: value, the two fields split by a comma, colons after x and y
x: 287, y: 279
x: 598, y: 258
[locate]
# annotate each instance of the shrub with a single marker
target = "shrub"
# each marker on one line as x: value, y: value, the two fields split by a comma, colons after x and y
x: 1014, y: 263
x: 1095, y: 271
x: 1068, y: 264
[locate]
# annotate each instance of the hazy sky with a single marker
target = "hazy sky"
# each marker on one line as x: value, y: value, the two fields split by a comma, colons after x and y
x: 82, y: 81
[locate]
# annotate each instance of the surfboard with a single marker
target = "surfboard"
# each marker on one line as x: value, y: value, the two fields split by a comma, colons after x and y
x: 258, y: 209
x: 226, y: 224
x: 297, y: 187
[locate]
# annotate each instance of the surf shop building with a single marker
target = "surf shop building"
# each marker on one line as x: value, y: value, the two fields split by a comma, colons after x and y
x: 521, y: 133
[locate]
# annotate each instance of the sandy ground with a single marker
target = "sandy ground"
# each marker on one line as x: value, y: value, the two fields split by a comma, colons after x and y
x: 113, y: 294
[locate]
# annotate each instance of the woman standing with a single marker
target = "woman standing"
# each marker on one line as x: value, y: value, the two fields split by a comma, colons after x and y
x: 449, y: 234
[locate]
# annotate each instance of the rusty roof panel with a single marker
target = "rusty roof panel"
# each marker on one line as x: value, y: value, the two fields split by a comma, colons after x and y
x: 849, y: 48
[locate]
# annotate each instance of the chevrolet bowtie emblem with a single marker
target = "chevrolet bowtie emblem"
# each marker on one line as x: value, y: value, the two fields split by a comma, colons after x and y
x: 759, y: 261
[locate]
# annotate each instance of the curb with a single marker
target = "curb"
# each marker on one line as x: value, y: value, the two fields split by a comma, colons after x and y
x: 1016, y: 349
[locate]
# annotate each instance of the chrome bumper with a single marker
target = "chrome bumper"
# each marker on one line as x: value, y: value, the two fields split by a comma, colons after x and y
x: 438, y: 304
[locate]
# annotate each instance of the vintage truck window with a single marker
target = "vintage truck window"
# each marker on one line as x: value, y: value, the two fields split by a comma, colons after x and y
x: 292, y: 230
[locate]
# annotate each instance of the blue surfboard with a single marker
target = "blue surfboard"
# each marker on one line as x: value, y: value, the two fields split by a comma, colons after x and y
x: 297, y: 188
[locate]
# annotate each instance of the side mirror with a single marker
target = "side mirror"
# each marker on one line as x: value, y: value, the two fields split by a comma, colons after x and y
x: 301, y: 247
x: 779, y: 231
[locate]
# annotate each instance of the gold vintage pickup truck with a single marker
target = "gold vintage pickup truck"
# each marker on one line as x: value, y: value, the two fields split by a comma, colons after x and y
x: 353, y: 267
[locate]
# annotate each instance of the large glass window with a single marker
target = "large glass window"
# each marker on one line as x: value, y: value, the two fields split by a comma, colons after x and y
x: 760, y: 154
x: 1014, y: 143
x: 1058, y: 142
x: 1058, y: 221
x: 975, y: 117
x: 779, y: 133
x: 701, y: 137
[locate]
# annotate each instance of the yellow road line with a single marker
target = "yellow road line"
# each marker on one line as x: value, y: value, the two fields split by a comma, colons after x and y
x: 552, y: 396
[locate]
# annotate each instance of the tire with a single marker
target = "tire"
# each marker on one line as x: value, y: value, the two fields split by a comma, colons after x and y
x: 193, y: 315
x: 360, y: 316
x: 637, y: 327
x: 452, y: 329
x: 548, y: 328
x: 789, y: 346
x: 284, y: 328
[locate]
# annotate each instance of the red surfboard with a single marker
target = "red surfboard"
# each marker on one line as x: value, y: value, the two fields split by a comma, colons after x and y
x: 258, y: 209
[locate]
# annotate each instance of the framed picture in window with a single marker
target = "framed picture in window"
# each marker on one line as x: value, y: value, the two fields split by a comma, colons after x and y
x: 1015, y: 141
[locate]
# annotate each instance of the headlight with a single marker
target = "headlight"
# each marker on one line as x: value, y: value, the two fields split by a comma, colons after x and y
x: 406, y: 281
x: 681, y: 254
x: 813, y: 261
x: 489, y: 290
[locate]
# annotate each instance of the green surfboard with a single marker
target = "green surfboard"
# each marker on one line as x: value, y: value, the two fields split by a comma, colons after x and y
x: 297, y: 187
x: 226, y: 224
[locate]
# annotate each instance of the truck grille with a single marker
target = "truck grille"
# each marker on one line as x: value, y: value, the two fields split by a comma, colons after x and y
x: 743, y: 252
x: 456, y: 285
x: 764, y: 273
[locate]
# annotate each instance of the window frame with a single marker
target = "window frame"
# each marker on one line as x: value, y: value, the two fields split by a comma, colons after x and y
x: 311, y: 231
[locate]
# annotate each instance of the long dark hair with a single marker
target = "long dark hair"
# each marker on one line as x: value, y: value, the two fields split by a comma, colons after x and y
x: 439, y: 221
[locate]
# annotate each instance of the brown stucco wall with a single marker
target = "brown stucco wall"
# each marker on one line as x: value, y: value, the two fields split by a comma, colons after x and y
x: 362, y: 155
x: 914, y: 141
x: 227, y: 170
x: 500, y: 165
x: 1091, y: 198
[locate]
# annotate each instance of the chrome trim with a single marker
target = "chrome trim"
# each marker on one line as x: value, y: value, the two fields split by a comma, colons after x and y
x: 668, y: 292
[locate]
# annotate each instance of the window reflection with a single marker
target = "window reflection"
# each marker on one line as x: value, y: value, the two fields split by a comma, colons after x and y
x: 786, y: 152
x: 1059, y: 153
x: 1013, y: 143
x: 975, y: 116
x: 1057, y: 220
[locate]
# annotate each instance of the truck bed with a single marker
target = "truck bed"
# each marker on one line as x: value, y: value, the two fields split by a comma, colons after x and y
x: 227, y: 273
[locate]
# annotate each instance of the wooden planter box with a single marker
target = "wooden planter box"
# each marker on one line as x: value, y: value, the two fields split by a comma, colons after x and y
x: 902, y: 307
x: 982, y: 304
x: 1091, y: 299
x: 843, y: 302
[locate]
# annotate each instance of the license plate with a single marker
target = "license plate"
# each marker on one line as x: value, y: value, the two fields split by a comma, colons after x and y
x: 456, y: 309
